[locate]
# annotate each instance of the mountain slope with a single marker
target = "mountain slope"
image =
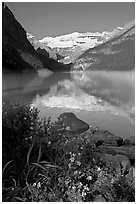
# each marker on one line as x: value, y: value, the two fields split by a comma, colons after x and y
x: 118, y: 53
x: 71, y: 46
x: 52, y: 64
x: 17, y: 52
x: 36, y: 44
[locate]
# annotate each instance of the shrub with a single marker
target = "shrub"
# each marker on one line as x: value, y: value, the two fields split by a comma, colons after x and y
x: 42, y: 162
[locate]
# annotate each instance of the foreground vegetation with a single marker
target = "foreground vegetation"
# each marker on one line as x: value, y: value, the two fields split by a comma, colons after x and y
x: 43, y: 162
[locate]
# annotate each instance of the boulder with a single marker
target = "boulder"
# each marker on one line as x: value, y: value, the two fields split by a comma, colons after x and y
x: 110, y: 142
x: 132, y: 140
x: 129, y: 141
x: 109, y: 160
x: 120, y: 163
x: 104, y: 136
x: 123, y: 162
x: 72, y: 123
x: 128, y: 151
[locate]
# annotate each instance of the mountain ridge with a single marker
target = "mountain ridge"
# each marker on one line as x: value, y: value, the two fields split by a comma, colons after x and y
x: 71, y: 46
x: 18, y: 54
x: 118, y: 53
x: 21, y: 50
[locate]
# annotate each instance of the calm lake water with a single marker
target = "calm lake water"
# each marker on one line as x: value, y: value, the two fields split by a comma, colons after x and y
x: 100, y: 98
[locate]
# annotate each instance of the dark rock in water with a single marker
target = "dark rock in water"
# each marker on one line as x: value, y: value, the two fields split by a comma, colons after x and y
x: 99, y: 143
x: 106, y: 137
x: 110, y: 142
x: 52, y: 64
x: 99, y: 198
x: 132, y: 140
x: 73, y: 124
x: 128, y: 151
x: 129, y: 141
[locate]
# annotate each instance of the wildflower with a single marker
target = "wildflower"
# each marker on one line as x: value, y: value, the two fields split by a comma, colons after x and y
x: 72, y: 159
x: 38, y: 185
x: 112, y: 181
x: 86, y: 188
x: 75, y: 172
x: 98, y: 169
x: 74, y: 187
x: 59, y: 180
x: 67, y: 128
x: 80, y: 184
x: 78, y: 163
x: 83, y: 194
x: 66, y: 182
x: 89, y: 178
x: 69, y: 165
x: 49, y: 142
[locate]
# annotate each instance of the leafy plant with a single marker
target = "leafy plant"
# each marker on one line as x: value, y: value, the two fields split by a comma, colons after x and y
x: 42, y: 162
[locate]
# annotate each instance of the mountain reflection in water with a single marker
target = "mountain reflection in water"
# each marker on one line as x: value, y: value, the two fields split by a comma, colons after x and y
x: 108, y: 94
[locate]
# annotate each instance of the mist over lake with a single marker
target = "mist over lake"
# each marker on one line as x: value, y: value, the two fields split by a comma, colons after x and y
x: 101, y: 98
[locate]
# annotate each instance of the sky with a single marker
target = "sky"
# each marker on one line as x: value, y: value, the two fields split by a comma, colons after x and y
x: 43, y: 19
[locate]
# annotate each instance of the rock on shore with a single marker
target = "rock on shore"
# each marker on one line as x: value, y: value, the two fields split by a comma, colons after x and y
x: 72, y: 123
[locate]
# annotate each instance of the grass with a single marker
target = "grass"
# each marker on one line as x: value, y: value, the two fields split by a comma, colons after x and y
x: 43, y: 163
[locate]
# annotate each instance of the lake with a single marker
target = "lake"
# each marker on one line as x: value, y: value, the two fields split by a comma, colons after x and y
x: 100, y: 98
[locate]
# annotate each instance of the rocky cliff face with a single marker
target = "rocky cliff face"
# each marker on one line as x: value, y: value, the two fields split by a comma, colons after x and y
x: 118, y: 53
x: 36, y: 44
x: 12, y: 31
x: 17, y: 52
x: 52, y: 64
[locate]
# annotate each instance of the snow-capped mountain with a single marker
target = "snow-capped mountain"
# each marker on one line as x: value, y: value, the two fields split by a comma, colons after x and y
x: 36, y: 44
x: 117, y: 53
x: 84, y: 40
x: 71, y: 46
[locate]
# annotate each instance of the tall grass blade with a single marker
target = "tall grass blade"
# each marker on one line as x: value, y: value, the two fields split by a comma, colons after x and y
x: 6, y: 165
x: 30, y: 150
x: 47, y: 165
x: 20, y: 199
